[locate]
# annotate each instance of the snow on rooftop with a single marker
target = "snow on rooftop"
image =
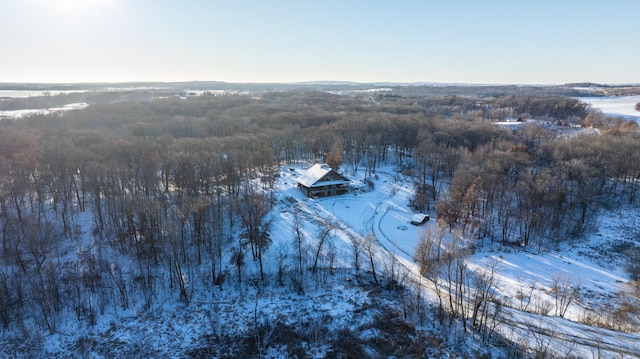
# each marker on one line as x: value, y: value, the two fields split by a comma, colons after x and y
x: 418, y: 218
x: 314, y: 174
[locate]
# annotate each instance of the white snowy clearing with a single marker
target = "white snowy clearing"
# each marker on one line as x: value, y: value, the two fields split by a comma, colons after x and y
x: 43, y: 111
x: 615, y: 106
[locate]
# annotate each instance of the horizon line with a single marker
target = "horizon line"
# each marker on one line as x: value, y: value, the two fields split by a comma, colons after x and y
x: 313, y: 82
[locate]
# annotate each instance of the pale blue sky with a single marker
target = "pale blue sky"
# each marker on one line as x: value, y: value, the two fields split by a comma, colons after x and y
x: 463, y: 41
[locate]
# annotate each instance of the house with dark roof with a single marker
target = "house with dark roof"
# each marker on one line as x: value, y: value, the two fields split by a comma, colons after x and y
x: 321, y: 181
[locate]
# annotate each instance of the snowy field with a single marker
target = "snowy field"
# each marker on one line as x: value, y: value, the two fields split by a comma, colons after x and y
x: 615, y: 106
x: 45, y: 111
x: 35, y: 93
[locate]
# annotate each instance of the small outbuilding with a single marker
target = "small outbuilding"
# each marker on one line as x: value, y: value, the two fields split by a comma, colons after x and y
x: 321, y: 181
x: 419, y: 219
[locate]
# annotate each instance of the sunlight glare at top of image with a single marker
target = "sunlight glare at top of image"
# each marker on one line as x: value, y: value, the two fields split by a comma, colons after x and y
x: 74, y: 9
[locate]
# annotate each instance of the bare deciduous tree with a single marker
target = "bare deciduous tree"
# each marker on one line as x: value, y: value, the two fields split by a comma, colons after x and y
x: 334, y: 158
x: 370, y: 248
x: 428, y: 250
x: 564, y: 292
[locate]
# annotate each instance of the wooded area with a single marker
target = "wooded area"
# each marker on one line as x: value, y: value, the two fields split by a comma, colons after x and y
x: 174, y: 185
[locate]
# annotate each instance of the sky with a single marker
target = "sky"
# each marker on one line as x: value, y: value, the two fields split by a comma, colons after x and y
x: 452, y: 41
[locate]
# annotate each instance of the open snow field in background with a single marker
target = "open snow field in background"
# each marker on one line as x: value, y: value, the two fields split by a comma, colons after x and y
x: 622, y: 106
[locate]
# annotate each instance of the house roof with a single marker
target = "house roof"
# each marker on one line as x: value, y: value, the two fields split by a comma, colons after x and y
x: 321, y: 175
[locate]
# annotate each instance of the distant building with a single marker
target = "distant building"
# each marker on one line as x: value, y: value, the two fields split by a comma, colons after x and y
x: 321, y: 181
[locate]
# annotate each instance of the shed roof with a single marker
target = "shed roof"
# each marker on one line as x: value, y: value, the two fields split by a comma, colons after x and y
x: 419, y: 218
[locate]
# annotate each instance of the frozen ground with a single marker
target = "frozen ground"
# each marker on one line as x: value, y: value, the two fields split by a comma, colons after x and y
x: 622, y: 106
x: 43, y: 111
x: 383, y: 212
x: 521, y: 274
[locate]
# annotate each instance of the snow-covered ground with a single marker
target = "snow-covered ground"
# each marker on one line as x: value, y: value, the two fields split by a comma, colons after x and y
x: 381, y: 212
x: 36, y: 93
x: 525, y: 278
x: 43, y: 111
x: 616, y: 106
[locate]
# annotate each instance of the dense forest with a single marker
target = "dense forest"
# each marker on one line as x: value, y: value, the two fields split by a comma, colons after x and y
x: 176, y: 184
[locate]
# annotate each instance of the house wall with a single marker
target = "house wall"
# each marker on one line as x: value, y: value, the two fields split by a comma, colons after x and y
x: 324, y: 191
